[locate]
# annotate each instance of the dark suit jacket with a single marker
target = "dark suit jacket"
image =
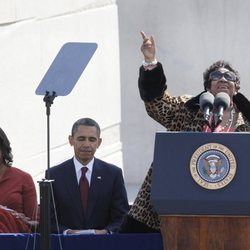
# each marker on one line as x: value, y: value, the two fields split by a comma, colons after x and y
x: 107, y: 199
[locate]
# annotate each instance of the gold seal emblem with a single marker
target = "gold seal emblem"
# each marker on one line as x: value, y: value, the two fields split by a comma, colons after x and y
x: 213, y: 166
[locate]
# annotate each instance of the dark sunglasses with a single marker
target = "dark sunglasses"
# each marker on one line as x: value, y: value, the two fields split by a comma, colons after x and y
x: 217, y: 75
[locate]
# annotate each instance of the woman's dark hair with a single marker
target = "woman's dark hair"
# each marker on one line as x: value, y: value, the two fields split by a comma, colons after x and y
x: 85, y: 122
x: 215, y: 66
x: 5, y: 148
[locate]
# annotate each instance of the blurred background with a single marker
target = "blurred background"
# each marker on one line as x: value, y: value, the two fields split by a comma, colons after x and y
x: 190, y: 36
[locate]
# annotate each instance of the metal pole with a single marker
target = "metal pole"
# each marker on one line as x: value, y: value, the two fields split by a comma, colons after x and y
x: 45, y: 186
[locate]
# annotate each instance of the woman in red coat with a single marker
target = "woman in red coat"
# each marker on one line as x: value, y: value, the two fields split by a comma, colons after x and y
x: 18, y: 199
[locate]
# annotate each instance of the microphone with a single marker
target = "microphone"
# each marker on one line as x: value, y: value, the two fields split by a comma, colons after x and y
x: 206, y: 105
x: 221, y: 103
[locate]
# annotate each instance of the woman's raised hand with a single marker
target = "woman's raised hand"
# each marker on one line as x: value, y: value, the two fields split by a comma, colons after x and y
x: 148, y: 47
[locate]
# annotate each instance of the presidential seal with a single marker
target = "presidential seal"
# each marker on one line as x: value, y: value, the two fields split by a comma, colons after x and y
x: 213, y: 166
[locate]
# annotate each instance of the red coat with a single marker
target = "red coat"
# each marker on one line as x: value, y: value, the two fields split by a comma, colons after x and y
x: 10, y: 223
x: 17, y: 192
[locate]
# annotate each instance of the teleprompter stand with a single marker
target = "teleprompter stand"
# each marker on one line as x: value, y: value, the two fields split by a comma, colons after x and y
x: 59, y: 80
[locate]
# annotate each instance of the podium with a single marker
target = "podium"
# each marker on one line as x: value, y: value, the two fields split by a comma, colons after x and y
x: 201, y: 190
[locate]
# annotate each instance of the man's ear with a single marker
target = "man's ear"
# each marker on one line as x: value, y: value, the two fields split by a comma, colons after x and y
x: 70, y: 138
x: 99, y: 142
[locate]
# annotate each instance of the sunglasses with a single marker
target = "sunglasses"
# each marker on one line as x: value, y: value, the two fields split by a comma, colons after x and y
x: 217, y: 75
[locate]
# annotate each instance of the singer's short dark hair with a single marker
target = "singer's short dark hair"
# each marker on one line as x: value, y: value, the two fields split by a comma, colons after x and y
x: 215, y: 66
x: 5, y: 148
x: 85, y: 122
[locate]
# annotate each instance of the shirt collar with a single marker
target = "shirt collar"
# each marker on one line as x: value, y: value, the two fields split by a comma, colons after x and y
x: 79, y: 165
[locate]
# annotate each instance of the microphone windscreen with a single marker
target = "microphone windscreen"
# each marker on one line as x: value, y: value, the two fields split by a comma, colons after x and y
x: 222, y: 99
x: 206, y: 100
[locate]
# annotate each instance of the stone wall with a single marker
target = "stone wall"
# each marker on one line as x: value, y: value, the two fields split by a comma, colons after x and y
x: 31, y: 34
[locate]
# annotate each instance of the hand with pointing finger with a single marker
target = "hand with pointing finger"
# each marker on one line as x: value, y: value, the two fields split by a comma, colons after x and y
x: 148, y: 47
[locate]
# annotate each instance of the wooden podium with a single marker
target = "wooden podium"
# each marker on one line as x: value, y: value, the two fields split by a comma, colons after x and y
x: 200, y: 210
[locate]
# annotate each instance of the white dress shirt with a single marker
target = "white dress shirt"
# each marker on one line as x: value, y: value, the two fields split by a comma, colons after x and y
x: 88, y: 174
x: 78, y: 170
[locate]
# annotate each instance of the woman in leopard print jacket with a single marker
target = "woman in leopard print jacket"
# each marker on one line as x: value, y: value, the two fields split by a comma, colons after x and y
x: 181, y: 113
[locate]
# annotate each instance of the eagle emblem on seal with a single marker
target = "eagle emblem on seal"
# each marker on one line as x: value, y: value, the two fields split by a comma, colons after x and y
x: 213, y: 166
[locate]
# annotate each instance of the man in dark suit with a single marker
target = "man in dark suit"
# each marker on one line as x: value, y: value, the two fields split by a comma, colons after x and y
x: 106, y: 202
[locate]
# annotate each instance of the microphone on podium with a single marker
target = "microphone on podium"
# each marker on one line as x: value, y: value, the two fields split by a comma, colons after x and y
x: 221, y: 103
x: 206, y: 105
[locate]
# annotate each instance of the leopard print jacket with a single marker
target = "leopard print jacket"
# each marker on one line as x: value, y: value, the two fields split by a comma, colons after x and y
x: 175, y: 115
